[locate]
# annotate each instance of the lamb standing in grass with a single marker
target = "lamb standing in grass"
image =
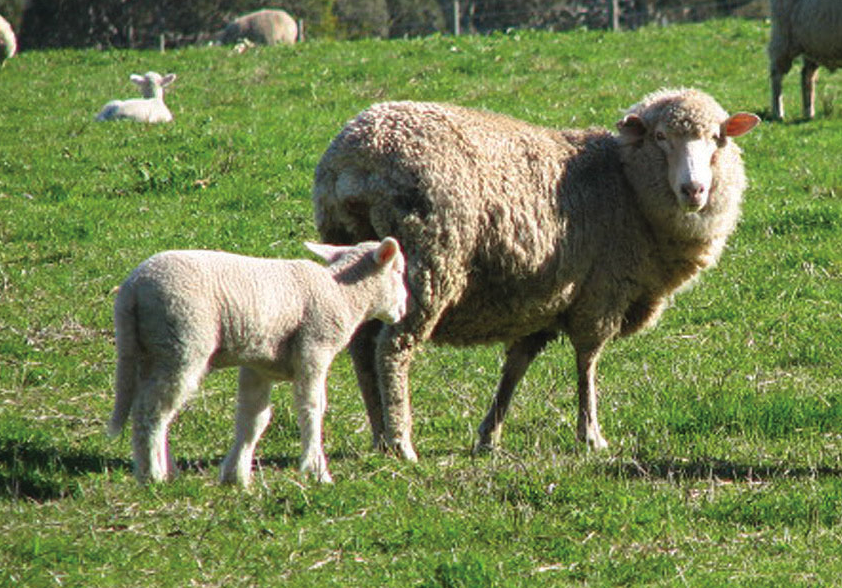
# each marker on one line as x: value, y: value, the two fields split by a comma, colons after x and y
x: 516, y: 233
x: 150, y: 108
x: 8, y: 41
x: 812, y: 28
x: 181, y: 314
x: 266, y: 27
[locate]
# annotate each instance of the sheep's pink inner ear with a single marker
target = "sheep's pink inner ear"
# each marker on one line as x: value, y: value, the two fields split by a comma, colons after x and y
x: 632, y: 126
x: 387, y: 251
x: 739, y: 124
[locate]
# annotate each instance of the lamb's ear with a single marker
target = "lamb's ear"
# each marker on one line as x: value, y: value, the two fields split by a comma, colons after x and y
x: 137, y: 79
x: 387, y: 251
x: 632, y: 128
x: 329, y: 253
x: 739, y: 124
x: 167, y: 80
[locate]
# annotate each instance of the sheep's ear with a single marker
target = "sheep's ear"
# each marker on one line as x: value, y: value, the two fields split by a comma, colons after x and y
x: 139, y: 80
x: 387, y: 251
x: 739, y: 124
x: 167, y: 79
x: 632, y: 128
x: 329, y: 253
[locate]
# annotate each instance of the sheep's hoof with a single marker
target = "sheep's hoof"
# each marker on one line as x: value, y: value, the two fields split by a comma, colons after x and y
x: 483, y: 447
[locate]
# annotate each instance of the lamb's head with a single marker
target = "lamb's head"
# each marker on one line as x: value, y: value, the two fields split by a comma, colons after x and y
x: 677, y: 140
x: 152, y: 84
x: 381, y: 264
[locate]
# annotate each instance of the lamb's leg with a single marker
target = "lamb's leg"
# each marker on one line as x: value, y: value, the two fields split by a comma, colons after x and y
x: 518, y: 358
x: 362, y: 350
x: 311, y: 402
x: 394, y: 356
x: 162, y: 393
x: 253, y: 414
x: 588, y: 430
x: 809, y: 74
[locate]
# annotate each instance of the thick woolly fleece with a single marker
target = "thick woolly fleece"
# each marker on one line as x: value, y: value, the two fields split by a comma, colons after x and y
x: 514, y: 233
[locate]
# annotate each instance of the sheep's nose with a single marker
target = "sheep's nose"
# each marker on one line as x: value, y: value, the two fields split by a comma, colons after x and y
x: 694, y: 195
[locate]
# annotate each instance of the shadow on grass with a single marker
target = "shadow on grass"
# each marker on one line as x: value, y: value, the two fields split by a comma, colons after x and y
x: 710, y: 469
x: 32, y: 471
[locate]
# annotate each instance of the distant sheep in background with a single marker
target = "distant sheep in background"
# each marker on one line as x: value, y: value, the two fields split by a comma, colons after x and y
x: 8, y: 42
x: 150, y: 108
x: 812, y: 28
x: 265, y: 27
x: 515, y: 233
x: 181, y: 314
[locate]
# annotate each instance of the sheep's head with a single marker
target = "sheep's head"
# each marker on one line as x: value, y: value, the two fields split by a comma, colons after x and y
x: 687, y: 130
x: 353, y: 263
x: 152, y: 84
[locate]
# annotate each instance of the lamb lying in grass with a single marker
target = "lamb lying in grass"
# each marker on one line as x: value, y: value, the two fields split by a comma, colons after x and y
x: 181, y: 314
x: 150, y: 108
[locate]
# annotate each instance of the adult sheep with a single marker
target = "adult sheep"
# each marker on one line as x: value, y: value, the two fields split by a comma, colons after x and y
x: 266, y: 27
x: 516, y: 233
x: 812, y: 28
x: 8, y: 42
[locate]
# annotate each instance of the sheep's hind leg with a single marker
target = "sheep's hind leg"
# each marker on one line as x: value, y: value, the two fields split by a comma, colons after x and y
x: 161, y: 394
x: 253, y: 414
x: 588, y: 430
x: 809, y: 75
x: 518, y: 358
x: 362, y: 350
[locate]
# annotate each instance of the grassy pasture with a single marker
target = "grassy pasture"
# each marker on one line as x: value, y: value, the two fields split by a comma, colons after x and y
x: 725, y: 420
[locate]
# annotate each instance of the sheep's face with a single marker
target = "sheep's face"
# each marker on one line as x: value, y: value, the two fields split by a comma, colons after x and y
x: 690, y: 160
x: 688, y: 135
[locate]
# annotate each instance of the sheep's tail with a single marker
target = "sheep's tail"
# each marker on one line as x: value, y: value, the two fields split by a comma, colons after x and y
x: 126, y: 380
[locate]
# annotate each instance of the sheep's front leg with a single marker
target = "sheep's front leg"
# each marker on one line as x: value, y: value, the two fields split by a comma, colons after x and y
x: 311, y: 403
x: 362, y: 350
x: 809, y: 75
x: 518, y: 358
x: 253, y: 413
x: 588, y: 430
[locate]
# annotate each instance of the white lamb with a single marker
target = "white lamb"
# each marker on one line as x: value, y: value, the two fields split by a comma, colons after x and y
x: 8, y: 42
x: 150, y: 108
x: 181, y: 314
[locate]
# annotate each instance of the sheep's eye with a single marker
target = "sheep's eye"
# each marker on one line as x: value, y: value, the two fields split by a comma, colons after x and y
x: 660, y: 136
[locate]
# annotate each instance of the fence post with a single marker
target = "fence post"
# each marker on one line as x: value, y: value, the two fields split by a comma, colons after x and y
x: 614, y: 14
x: 456, y: 13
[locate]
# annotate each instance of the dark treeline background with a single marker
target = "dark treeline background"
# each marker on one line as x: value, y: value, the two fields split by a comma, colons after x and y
x: 145, y: 23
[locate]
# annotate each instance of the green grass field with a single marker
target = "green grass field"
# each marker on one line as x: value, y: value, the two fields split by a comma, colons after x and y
x: 725, y: 420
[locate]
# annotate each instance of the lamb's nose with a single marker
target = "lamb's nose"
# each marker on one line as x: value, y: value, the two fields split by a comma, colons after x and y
x: 694, y: 195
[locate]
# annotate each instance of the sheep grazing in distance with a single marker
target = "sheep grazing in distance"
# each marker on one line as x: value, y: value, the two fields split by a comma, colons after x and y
x: 149, y: 109
x: 812, y: 28
x: 265, y: 27
x: 515, y: 233
x: 8, y: 41
x: 181, y: 314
